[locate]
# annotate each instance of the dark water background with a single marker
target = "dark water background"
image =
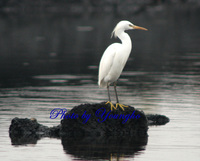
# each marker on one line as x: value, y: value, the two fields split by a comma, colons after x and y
x: 51, y: 61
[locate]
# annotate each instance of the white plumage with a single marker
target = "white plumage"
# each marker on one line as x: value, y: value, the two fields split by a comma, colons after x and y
x: 115, y: 56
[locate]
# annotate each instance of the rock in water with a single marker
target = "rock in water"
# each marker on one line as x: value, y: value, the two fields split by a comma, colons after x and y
x: 89, y: 124
x: 28, y: 131
x: 155, y: 119
x: 99, y: 120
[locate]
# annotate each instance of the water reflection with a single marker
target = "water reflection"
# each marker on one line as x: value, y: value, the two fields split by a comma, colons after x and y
x: 103, y: 148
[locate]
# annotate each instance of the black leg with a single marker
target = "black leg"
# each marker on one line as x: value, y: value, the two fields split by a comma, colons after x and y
x: 115, y: 85
x: 108, y: 92
x: 109, y: 102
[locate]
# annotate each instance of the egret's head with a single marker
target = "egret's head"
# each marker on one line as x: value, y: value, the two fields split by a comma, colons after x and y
x: 125, y: 25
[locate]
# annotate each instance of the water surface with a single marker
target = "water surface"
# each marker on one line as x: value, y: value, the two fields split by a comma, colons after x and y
x: 51, y: 62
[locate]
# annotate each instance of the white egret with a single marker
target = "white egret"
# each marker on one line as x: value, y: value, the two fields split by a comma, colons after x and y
x: 114, y: 59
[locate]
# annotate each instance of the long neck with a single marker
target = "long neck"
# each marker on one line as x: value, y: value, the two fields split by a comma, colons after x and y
x: 125, y: 39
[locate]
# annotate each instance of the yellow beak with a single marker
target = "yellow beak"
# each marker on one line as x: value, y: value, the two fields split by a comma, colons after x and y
x: 139, y: 28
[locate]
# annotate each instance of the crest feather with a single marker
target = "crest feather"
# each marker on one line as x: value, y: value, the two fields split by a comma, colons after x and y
x: 114, y: 32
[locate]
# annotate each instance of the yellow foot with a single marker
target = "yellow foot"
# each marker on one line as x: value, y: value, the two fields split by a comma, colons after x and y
x: 120, y: 105
x: 111, y: 105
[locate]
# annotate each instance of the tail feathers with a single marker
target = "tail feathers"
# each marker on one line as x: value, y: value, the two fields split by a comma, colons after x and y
x: 102, y: 84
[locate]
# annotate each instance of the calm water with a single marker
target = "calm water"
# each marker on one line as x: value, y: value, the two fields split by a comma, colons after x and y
x: 51, y: 62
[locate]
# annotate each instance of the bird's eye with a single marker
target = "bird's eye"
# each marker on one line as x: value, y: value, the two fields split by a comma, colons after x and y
x: 130, y: 25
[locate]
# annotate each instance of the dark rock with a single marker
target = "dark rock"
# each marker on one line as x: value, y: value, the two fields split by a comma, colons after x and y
x: 54, y: 131
x: 101, y: 121
x: 103, y: 137
x: 98, y: 127
x: 157, y: 119
x: 28, y: 131
x: 25, y: 127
